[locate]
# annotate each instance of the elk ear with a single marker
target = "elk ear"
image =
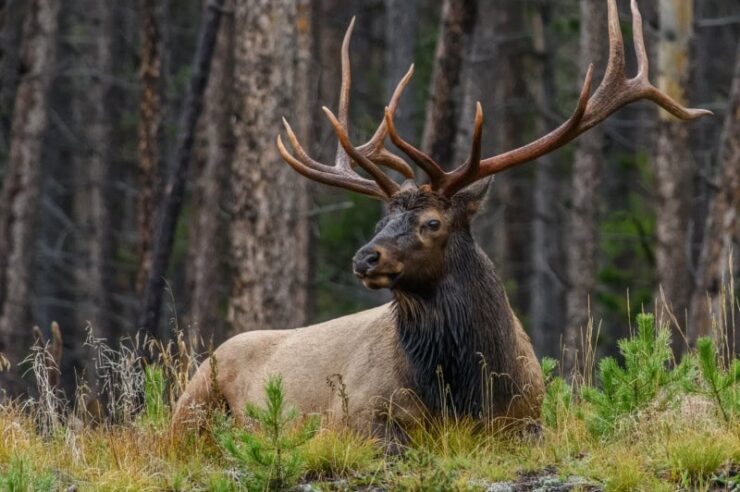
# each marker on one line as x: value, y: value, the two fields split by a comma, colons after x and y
x: 472, y: 198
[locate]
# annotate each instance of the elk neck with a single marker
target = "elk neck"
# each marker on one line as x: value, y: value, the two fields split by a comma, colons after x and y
x: 459, y: 335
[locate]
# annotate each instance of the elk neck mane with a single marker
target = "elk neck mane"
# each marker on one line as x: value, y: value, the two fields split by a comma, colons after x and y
x: 460, y: 334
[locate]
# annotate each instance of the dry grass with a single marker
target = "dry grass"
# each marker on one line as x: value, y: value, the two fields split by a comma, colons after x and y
x: 46, y: 444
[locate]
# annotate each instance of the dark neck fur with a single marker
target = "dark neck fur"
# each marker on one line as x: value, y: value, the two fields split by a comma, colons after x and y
x: 464, y: 322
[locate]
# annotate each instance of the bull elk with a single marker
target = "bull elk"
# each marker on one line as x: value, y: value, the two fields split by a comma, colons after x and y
x: 450, y: 319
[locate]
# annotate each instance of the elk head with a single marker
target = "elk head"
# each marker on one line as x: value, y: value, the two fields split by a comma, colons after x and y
x: 411, y: 242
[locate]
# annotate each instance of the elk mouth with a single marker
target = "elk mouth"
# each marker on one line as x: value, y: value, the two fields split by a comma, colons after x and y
x: 375, y: 280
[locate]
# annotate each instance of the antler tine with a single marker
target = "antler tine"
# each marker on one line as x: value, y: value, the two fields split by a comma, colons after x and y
x: 342, y: 159
x: 368, y: 156
x: 435, y: 172
x: 469, y: 171
x: 643, y: 64
x: 614, y: 92
x: 389, y: 186
x: 340, y: 179
x: 375, y: 148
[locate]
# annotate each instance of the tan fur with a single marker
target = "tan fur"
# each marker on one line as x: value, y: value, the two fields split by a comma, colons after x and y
x: 362, y: 348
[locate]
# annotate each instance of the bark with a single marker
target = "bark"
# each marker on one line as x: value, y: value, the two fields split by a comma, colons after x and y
x: 171, y: 207
x: 93, y: 200
x: 478, y: 76
x: 305, y: 108
x: 400, y: 37
x: 150, y: 124
x: 721, y: 237
x: 547, y: 306
x: 673, y: 162
x: 21, y: 185
x: 456, y: 26
x: 513, y: 187
x: 209, y: 228
x: 328, y: 36
x: 11, y: 23
x: 269, y: 258
x: 583, y: 238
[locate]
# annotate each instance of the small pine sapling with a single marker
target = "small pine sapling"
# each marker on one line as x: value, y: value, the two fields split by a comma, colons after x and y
x: 645, y: 375
x: 558, y: 396
x: 272, y: 455
x: 721, y: 386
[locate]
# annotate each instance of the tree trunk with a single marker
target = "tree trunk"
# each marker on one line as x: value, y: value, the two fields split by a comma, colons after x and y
x: 11, y: 24
x: 94, y: 206
x: 478, y: 76
x: 513, y: 187
x: 721, y: 230
x: 208, y: 229
x: 583, y: 235
x: 269, y: 251
x: 400, y: 37
x: 169, y: 212
x: 456, y: 26
x: 329, y: 35
x: 22, y: 182
x: 547, y: 305
x: 673, y: 162
x: 150, y: 123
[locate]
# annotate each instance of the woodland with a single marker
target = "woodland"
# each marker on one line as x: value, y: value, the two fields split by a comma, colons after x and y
x: 146, y: 216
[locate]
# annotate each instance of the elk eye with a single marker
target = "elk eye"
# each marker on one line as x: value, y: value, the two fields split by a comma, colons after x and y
x: 433, y: 225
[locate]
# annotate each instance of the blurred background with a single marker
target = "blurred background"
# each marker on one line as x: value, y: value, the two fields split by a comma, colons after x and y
x: 101, y: 122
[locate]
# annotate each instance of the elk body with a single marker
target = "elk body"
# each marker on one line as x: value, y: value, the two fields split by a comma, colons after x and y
x: 449, y: 336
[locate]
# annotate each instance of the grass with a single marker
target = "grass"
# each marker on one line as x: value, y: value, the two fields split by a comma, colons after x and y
x: 644, y: 423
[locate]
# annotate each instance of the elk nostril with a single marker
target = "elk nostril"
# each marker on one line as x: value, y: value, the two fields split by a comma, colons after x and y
x: 373, y: 258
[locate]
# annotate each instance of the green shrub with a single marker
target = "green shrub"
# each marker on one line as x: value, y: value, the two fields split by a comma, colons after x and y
x: 722, y: 386
x: 645, y: 375
x: 556, y: 402
x: 272, y: 456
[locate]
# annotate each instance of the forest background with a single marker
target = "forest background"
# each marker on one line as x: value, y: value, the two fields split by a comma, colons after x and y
x: 96, y: 101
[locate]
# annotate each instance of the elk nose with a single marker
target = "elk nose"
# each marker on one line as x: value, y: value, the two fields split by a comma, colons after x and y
x: 365, y: 259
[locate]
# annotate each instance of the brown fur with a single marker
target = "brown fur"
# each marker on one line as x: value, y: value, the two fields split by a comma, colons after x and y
x: 363, y: 348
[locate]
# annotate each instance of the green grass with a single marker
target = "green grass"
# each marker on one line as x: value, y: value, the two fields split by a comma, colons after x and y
x: 645, y: 424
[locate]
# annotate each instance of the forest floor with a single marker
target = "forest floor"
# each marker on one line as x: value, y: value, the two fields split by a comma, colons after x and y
x: 649, y: 424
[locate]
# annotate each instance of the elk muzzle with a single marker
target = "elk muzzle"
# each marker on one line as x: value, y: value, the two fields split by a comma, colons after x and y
x: 376, y: 267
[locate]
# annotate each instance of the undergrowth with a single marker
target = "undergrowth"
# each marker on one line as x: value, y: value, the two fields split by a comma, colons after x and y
x: 646, y: 422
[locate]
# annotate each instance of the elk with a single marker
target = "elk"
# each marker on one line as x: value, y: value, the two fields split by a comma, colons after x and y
x: 450, y: 319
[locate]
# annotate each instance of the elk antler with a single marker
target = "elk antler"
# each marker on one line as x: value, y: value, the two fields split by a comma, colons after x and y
x: 368, y: 156
x: 615, y: 91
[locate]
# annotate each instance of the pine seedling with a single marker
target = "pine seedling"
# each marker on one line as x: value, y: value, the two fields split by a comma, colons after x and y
x: 557, y: 399
x: 272, y: 455
x: 645, y: 375
x: 721, y: 386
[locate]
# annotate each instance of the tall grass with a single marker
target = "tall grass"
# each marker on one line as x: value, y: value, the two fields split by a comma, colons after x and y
x: 641, y: 421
